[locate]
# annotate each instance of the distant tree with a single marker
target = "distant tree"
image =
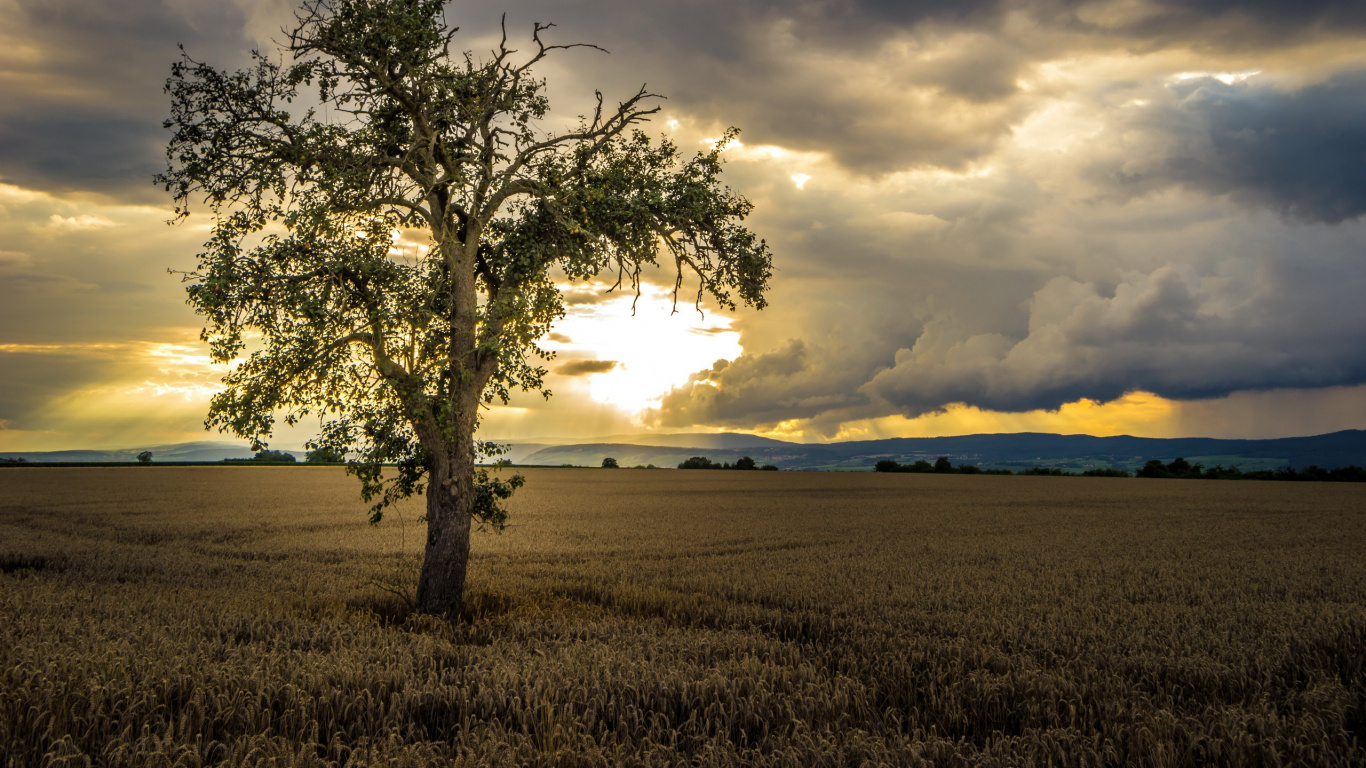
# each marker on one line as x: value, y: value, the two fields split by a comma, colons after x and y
x: 1154, y: 468
x: 920, y: 465
x: 145, y: 457
x: 609, y: 463
x: 325, y: 455
x: 401, y: 349
x: 968, y: 469
x: 745, y: 462
x: 769, y: 468
x: 1044, y: 471
x: 1179, y: 467
x: 274, y: 457
x: 698, y: 462
x: 886, y: 465
x: 942, y: 464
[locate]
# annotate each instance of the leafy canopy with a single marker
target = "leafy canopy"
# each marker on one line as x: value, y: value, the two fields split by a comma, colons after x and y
x: 314, y: 166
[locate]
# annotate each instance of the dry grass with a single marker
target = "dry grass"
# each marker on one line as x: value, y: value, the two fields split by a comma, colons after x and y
x: 241, y: 616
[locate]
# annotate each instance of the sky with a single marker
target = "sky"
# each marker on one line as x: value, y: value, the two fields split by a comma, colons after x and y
x: 1124, y: 217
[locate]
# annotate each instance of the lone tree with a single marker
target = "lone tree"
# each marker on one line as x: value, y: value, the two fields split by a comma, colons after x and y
x: 610, y: 463
x: 397, y: 350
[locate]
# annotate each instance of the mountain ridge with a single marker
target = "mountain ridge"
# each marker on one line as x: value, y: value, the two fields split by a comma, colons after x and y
x: 1005, y: 450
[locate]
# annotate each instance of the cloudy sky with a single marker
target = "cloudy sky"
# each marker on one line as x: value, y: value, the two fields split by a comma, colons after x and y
x: 1104, y: 217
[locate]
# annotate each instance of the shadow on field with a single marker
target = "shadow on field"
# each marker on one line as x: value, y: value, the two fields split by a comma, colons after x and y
x: 395, y: 610
x: 11, y: 562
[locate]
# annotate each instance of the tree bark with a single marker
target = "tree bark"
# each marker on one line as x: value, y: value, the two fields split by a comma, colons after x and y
x: 450, y: 497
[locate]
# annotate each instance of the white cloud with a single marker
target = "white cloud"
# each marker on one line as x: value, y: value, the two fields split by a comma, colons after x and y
x: 83, y: 221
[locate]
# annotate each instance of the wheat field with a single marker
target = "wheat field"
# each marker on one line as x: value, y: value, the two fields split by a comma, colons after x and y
x: 249, y: 616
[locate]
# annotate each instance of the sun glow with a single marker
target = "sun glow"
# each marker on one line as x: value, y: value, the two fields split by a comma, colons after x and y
x: 1227, y: 78
x: 653, y: 351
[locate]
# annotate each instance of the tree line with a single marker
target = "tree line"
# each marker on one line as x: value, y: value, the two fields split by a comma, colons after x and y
x: 1177, y: 468
x: 942, y: 466
x: 315, y: 456
x: 744, y: 463
x: 1180, y: 468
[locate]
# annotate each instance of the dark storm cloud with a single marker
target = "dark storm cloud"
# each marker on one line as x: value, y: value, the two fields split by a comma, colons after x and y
x: 59, y: 152
x: 795, y: 381
x: 814, y: 75
x: 1261, y: 18
x: 886, y: 86
x: 83, y: 104
x: 1032, y: 293
x: 1168, y: 332
x: 585, y: 367
x: 824, y: 337
x: 1179, y: 332
x: 1301, y: 153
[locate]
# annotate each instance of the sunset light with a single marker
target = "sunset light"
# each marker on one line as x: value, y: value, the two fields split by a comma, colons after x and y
x: 655, y: 349
x: 658, y: 383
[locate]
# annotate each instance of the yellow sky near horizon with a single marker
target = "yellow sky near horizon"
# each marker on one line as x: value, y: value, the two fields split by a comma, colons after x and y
x: 169, y: 383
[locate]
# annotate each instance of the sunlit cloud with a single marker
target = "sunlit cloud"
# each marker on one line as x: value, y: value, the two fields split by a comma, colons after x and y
x: 1227, y: 78
x: 84, y: 221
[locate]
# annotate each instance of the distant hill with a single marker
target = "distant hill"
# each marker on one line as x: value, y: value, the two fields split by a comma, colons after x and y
x: 577, y: 452
x: 1010, y: 451
x: 517, y: 453
x: 197, y: 451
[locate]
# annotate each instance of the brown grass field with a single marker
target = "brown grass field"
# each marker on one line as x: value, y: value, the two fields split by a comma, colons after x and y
x: 243, y: 616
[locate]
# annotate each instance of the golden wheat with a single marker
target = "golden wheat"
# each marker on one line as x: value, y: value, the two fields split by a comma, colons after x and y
x: 249, y: 616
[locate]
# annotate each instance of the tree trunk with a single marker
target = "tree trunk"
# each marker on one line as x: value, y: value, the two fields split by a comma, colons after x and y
x: 450, y: 497
x: 450, y: 477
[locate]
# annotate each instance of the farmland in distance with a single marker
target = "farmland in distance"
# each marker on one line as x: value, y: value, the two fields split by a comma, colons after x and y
x: 246, y: 616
